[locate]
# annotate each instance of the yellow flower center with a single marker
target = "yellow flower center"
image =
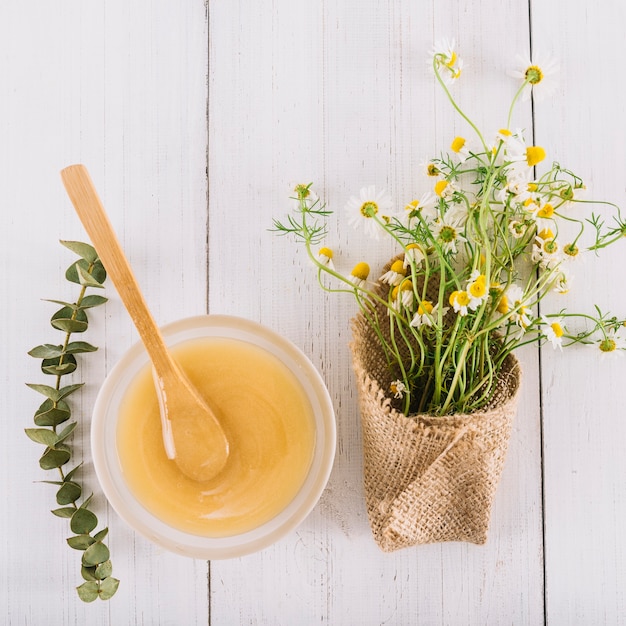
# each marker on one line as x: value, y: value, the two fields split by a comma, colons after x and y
x: 361, y: 271
x: 534, y: 155
x: 478, y: 288
x: 440, y: 186
x: 398, y: 267
x: 452, y: 59
x: 369, y: 209
x: 557, y: 329
x: 571, y: 250
x: 532, y: 187
x: 426, y: 306
x: 457, y: 144
x: 534, y: 74
x: 608, y: 345
x: 302, y: 191
x: 503, y: 305
x: 546, y: 211
x: 462, y: 298
x: 327, y: 252
x: 550, y: 246
x: 505, y: 131
x: 432, y: 170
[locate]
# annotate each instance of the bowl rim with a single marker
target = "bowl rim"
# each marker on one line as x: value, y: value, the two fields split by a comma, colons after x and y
x: 109, y: 473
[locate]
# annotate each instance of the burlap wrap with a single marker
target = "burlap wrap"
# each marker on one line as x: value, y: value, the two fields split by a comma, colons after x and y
x: 428, y: 478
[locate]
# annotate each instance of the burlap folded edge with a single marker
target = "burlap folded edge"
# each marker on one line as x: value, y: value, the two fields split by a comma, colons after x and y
x: 430, y: 478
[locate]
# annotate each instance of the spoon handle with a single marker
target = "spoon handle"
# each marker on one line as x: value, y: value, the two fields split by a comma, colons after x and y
x: 90, y: 210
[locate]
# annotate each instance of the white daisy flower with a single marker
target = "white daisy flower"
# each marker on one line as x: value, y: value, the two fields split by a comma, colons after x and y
x: 546, y: 252
x: 430, y: 169
x: 398, y: 389
x: 460, y: 300
x: 563, y: 282
x: 368, y: 205
x: 477, y: 290
x: 413, y: 255
x: 395, y: 275
x: 446, y: 60
x: 402, y: 295
x: 325, y: 257
x: 544, y: 215
x: 360, y: 272
x: 448, y: 232
x: 611, y: 345
x: 522, y: 156
x: 511, y: 304
x: 426, y: 206
x: 517, y: 229
x: 427, y: 314
x: 540, y: 73
x: 553, y: 330
x: 304, y: 192
x: 459, y: 146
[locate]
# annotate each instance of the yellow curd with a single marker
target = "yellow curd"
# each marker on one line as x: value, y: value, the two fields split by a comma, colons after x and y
x: 269, y: 423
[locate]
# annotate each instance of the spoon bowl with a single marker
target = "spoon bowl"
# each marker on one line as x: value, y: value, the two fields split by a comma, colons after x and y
x: 192, y: 435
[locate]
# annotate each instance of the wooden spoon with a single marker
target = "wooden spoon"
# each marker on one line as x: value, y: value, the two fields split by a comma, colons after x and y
x: 192, y: 434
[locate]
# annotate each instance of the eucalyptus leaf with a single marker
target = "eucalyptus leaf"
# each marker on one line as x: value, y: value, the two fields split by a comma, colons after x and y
x: 69, y: 492
x: 83, y: 250
x: 88, y: 573
x: 86, y: 279
x: 46, y: 390
x: 96, y: 553
x: 108, y: 587
x: 97, y: 271
x: 100, y: 535
x: 42, y: 435
x: 71, y: 473
x: 51, y: 413
x: 88, y: 591
x: 66, y: 391
x: 54, y: 367
x: 70, y: 321
x: 71, y: 305
x: 83, y: 522
x: 53, y: 458
x: 104, y: 570
x: 66, y: 511
x: 92, y: 300
x: 66, y: 432
x: 80, y: 542
x: 87, y: 501
x: 76, y: 347
x: 46, y: 351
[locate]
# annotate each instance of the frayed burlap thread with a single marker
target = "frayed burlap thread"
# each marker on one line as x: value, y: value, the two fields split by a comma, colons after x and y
x: 428, y: 478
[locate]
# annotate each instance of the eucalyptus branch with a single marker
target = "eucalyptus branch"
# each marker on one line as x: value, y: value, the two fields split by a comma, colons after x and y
x: 54, y: 428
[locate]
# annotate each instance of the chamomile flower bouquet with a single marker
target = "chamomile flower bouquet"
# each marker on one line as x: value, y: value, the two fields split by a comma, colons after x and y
x: 478, y: 255
x: 478, y: 251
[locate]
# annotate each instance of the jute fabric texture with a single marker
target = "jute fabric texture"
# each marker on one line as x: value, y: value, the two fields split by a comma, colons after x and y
x: 427, y: 478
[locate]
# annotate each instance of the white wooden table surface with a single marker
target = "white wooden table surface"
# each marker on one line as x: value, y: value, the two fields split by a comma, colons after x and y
x: 337, y: 92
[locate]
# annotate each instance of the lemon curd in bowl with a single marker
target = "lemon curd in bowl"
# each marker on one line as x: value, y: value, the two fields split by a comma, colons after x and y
x: 277, y: 416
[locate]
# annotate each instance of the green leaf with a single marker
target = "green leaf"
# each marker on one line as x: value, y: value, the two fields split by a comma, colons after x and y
x: 108, y: 587
x: 46, y: 351
x: 66, y: 391
x: 66, y: 432
x: 71, y: 305
x: 56, y: 368
x: 100, y: 535
x: 92, y: 300
x: 53, y: 458
x: 83, y: 250
x: 86, y: 279
x: 66, y: 511
x: 96, y: 553
x: 80, y: 542
x: 46, y: 390
x: 104, y: 570
x: 88, y: 573
x: 85, y: 504
x: 98, y: 272
x: 83, y: 522
x: 70, y: 321
x: 76, y: 347
x: 88, y: 591
x: 50, y: 415
x: 42, y: 435
x: 71, y: 473
x: 69, y: 492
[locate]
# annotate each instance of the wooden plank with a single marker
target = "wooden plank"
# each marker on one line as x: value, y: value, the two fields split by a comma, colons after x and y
x: 340, y: 94
x: 582, y: 127
x: 121, y: 87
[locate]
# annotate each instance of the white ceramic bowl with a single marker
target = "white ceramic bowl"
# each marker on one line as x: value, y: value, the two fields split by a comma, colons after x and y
x: 109, y: 471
